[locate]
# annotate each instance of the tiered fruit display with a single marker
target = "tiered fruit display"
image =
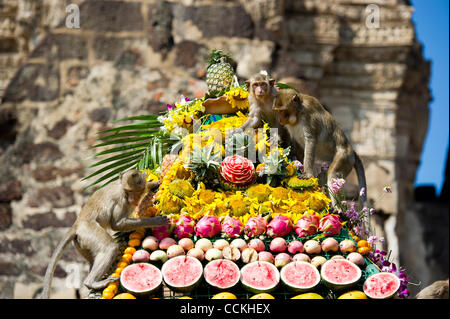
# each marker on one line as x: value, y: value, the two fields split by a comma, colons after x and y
x: 243, y: 228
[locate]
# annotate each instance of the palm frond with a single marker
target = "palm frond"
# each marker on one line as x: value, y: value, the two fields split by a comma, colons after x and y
x: 140, y: 145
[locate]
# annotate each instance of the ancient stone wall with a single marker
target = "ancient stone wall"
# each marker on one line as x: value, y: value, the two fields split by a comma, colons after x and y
x: 132, y: 57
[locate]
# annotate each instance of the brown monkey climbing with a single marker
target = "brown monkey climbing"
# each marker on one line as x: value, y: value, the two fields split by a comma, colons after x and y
x: 109, y: 207
x: 315, y: 129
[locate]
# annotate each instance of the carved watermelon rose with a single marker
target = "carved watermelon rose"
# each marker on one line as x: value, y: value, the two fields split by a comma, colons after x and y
x: 236, y: 172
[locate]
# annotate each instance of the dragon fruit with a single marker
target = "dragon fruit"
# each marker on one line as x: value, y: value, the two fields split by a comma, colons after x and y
x: 208, y: 226
x: 162, y: 232
x: 307, y: 225
x: 279, y: 226
x: 184, y: 227
x: 232, y: 227
x: 255, y: 226
x: 330, y: 224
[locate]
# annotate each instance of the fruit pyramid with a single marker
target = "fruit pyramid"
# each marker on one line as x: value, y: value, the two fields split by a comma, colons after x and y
x: 235, y: 218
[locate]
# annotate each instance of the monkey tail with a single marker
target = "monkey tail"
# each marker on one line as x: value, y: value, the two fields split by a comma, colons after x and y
x: 361, y: 179
x: 53, y: 261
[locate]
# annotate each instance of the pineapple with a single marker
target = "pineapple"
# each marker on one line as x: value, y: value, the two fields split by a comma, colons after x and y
x: 204, y: 163
x: 219, y: 73
x: 275, y: 166
x: 166, y: 164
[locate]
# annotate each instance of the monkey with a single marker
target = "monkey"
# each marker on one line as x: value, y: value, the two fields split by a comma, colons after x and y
x: 107, y: 208
x: 437, y: 290
x: 320, y: 136
x: 262, y: 95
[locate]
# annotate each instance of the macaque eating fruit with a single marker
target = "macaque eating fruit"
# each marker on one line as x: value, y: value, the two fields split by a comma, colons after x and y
x: 108, y: 208
x: 315, y: 129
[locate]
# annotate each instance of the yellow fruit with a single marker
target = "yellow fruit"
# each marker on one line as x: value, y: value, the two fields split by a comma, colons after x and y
x: 363, y: 243
x: 118, y: 270
x: 364, y: 250
x: 309, y: 295
x: 122, y: 264
x: 127, y: 258
x: 185, y: 297
x: 134, y: 242
x: 113, y: 286
x: 355, y: 294
x: 107, y: 294
x: 224, y: 295
x: 136, y: 235
x: 129, y: 250
x: 124, y: 295
x: 262, y: 296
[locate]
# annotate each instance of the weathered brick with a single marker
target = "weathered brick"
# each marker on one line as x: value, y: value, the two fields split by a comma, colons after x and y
x: 101, y: 114
x: 17, y: 246
x: 10, y: 190
x: 49, y: 219
x: 58, y: 197
x: 114, y: 16
x: 5, y: 215
x: 59, y: 129
x: 217, y: 19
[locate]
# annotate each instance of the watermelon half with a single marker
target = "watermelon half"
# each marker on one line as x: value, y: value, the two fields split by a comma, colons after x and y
x: 141, y: 279
x: 182, y: 273
x: 221, y: 273
x: 381, y: 285
x: 260, y: 276
x: 300, y: 276
x: 340, y: 274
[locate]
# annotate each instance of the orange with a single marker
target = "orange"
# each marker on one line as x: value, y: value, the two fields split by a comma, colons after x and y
x: 114, y: 286
x: 363, y: 243
x: 364, y: 250
x: 129, y: 250
x: 127, y: 257
x: 136, y: 235
x: 107, y: 294
x: 122, y: 264
x: 134, y: 242
x: 118, y: 270
x: 115, y: 275
x: 355, y: 238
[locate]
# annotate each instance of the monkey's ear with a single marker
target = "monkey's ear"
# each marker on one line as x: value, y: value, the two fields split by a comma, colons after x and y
x: 296, y: 99
x: 247, y: 84
x: 272, y: 82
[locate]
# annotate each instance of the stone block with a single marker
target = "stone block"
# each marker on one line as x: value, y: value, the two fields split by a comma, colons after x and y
x: 111, y: 16
x: 58, y: 197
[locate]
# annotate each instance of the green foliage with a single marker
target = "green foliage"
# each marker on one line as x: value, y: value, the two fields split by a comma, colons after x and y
x: 204, y: 163
x: 139, y: 145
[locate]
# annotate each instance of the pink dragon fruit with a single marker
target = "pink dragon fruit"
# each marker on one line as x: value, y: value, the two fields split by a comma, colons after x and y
x: 279, y: 226
x: 207, y: 226
x: 162, y: 232
x: 232, y: 227
x: 307, y: 225
x: 330, y: 224
x: 184, y: 227
x: 255, y: 226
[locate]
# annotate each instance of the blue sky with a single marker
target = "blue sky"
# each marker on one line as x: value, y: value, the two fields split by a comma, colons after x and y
x: 432, y: 26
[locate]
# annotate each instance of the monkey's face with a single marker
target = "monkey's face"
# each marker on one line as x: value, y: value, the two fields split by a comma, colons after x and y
x: 260, y: 88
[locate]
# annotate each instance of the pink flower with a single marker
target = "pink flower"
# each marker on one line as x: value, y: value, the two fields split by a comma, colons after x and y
x: 337, y: 184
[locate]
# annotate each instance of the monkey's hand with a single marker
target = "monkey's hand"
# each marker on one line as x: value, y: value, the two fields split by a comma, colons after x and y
x: 160, y: 221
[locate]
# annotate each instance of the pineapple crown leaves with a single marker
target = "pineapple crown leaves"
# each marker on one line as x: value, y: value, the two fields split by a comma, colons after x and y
x: 203, y: 161
x: 217, y: 56
x: 275, y: 163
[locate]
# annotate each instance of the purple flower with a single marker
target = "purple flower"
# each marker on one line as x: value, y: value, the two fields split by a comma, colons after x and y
x: 170, y: 107
x: 382, y: 240
x: 298, y: 165
x: 372, y: 240
x: 337, y: 184
x: 372, y: 211
x: 324, y: 167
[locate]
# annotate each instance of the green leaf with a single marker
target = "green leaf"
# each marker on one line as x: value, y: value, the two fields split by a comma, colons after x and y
x: 110, y: 166
x: 152, y: 117
x: 110, y: 159
x: 141, y: 133
x: 286, y: 86
x: 121, y: 148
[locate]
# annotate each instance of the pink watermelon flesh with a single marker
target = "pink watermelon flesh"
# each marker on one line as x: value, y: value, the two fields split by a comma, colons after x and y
x: 340, y: 273
x: 381, y: 285
x: 140, y: 278
x: 260, y: 276
x: 222, y: 273
x: 182, y: 273
x: 300, y: 276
